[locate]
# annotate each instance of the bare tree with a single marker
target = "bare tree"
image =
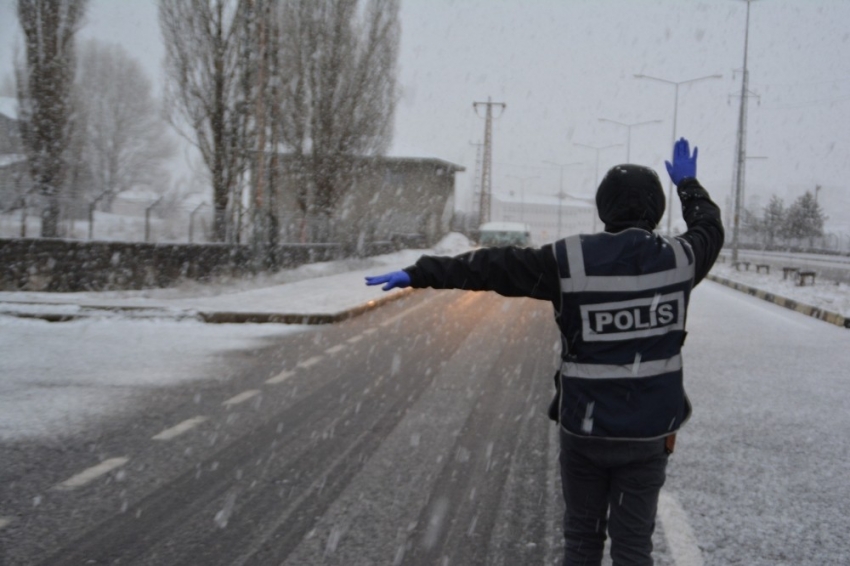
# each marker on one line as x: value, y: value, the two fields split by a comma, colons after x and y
x: 124, y: 138
x: 340, y: 61
x: 261, y: 80
x: 317, y: 76
x: 45, y: 83
x: 204, y: 95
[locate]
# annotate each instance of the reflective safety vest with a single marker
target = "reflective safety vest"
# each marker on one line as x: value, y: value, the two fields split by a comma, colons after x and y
x: 624, y: 300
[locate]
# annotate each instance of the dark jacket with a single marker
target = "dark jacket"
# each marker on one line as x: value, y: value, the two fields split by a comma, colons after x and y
x: 534, y: 272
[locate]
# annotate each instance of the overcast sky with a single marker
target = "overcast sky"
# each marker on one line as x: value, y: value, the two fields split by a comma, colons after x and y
x: 561, y: 65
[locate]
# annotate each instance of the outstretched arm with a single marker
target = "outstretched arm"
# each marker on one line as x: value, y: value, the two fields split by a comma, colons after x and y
x: 509, y: 271
x: 705, y: 229
x: 396, y: 279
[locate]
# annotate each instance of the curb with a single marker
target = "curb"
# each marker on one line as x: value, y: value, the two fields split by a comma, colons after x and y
x: 221, y: 317
x: 815, y: 312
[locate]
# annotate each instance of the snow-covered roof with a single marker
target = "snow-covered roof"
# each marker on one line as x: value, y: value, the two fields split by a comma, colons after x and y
x: 504, y: 227
x: 399, y: 159
x: 402, y: 151
x: 531, y: 198
x: 432, y: 160
x: 196, y: 199
x: 138, y: 194
x: 9, y: 107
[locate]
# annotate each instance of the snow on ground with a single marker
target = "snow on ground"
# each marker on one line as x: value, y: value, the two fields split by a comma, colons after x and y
x: 55, y: 378
x: 824, y: 294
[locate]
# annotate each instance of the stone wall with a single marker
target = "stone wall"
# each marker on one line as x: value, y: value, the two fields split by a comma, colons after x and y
x: 39, y: 264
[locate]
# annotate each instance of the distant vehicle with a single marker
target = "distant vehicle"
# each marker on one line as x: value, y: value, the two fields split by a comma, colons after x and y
x: 504, y: 234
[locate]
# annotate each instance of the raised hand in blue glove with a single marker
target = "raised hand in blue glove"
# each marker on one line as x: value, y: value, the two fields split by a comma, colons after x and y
x: 395, y: 279
x: 684, y: 165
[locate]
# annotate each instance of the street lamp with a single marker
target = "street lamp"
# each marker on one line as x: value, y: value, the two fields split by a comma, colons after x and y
x: 92, y: 206
x: 675, y: 116
x: 629, y: 133
x: 192, y: 219
x: 522, y: 181
x: 148, y: 218
x: 597, y: 149
x: 561, y: 194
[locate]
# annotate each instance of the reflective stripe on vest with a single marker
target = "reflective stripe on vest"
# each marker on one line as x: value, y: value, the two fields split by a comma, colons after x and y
x: 637, y: 369
x: 578, y: 281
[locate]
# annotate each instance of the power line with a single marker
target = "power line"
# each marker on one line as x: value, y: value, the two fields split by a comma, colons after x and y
x: 807, y: 103
x: 807, y: 83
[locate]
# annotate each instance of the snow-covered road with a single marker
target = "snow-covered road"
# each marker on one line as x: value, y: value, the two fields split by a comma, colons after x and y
x: 757, y: 479
x: 761, y: 467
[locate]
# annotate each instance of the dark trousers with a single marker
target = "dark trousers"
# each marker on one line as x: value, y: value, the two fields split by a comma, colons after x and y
x: 613, y: 486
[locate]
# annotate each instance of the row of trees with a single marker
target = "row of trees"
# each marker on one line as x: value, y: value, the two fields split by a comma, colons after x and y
x: 89, y: 122
x: 45, y: 96
x: 314, y: 77
x: 246, y: 80
x: 803, y: 219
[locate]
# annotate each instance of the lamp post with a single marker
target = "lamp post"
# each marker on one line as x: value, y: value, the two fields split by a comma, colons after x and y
x: 675, y: 117
x: 741, y: 149
x: 522, y: 181
x: 92, y: 206
x: 148, y: 218
x: 629, y: 133
x: 192, y: 219
x: 597, y: 149
x: 561, y: 193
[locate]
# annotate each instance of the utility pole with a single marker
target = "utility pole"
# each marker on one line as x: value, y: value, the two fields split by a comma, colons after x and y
x: 742, y: 140
x: 476, y: 184
x: 487, y: 165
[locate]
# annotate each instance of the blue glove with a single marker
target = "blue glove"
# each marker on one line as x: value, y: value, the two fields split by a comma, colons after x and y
x: 684, y: 166
x: 395, y: 279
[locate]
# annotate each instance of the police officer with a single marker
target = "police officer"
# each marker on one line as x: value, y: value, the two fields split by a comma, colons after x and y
x: 620, y: 300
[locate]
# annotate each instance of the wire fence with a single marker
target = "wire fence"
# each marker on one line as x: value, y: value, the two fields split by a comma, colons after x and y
x: 161, y: 220
x: 149, y: 220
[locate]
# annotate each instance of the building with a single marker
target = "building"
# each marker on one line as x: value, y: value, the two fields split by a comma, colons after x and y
x: 387, y: 199
x: 544, y: 217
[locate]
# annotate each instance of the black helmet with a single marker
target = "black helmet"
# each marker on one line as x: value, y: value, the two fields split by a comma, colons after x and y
x: 630, y: 196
